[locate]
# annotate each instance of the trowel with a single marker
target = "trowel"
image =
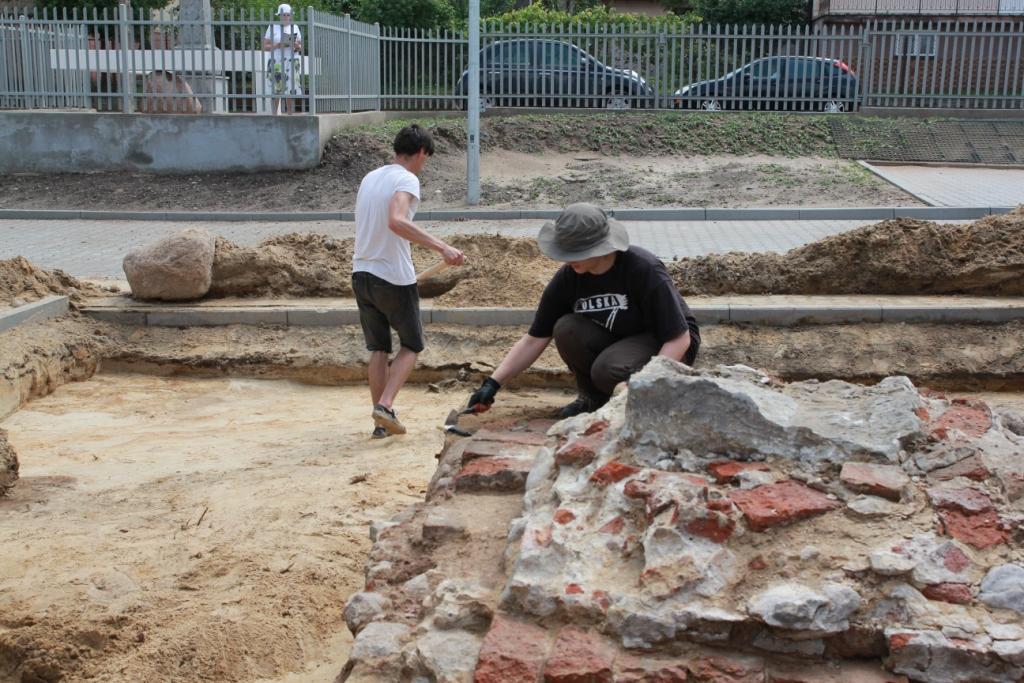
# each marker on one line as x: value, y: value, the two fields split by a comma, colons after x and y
x: 451, y: 423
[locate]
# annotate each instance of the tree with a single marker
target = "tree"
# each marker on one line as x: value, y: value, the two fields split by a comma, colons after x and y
x: 89, y: 5
x: 406, y: 13
x: 752, y: 11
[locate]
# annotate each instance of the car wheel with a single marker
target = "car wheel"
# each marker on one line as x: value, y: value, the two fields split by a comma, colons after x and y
x: 617, y: 102
x: 710, y: 105
x: 834, y: 107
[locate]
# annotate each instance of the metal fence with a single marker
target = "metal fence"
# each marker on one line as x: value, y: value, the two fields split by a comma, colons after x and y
x: 155, y: 62
x: 161, y: 62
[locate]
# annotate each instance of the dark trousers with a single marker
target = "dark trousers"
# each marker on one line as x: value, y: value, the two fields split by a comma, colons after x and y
x: 598, y: 359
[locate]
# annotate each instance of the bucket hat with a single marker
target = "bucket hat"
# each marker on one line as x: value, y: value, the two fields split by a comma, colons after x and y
x: 580, y: 232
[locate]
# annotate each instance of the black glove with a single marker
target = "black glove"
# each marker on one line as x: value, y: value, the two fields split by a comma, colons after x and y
x: 483, y: 397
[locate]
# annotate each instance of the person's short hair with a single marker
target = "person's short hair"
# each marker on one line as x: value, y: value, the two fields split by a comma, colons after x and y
x: 411, y: 139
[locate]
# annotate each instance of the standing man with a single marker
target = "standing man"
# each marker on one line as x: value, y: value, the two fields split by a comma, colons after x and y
x: 284, y: 43
x: 610, y: 309
x: 383, y: 278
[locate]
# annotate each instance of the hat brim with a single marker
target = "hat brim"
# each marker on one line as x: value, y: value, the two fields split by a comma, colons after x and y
x: 616, y: 240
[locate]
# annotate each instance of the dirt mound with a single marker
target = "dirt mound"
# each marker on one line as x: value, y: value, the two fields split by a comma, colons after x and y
x: 8, y: 464
x: 20, y: 280
x: 903, y: 256
x: 286, y: 265
x: 500, y: 271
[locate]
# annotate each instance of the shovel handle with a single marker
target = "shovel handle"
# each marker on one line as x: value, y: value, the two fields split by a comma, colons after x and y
x: 431, y: 271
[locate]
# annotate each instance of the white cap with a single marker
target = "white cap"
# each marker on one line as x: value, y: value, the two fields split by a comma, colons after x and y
x: 284, y: 8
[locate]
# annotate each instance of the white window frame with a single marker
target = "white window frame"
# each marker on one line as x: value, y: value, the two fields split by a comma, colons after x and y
x: 915, y: 44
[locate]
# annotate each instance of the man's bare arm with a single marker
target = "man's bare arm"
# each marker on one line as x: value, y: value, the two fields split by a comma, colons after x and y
x: 399, y: 223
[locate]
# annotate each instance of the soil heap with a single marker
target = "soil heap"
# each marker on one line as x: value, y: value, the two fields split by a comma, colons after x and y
x: 902, y: 256
x: 20, y: 280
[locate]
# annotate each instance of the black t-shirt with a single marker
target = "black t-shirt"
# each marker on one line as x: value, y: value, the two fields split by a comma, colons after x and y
x: 635, y: 296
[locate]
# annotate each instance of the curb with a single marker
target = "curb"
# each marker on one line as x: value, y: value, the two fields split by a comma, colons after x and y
x: 626, y: 214
x: 50, y: 307
x: 719, y: 314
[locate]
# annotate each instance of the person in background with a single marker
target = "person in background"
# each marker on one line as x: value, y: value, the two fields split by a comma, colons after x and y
x: 284, y: 67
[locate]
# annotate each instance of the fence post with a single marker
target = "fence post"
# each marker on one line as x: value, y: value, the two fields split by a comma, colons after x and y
x: 311, y: 57
x: 127, y: 78
x: 868, y: 64
x: 348, y: 58
x: 473, y: 108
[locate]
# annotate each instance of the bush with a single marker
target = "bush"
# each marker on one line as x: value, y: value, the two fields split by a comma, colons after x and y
x: 752, y: 11
x: 406, y: 13
x: 538, y: 15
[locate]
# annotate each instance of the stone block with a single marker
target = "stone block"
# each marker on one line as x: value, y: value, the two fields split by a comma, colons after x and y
x: 968, y: 500
x: 461, y: 604
x: 477, y: 448
x: 322, y: 317
x: 1003, y: 587
x: 379, y: 640
x: 798, y: 607
x: 442, y: 525
x: 363, y: 608
x: 581, y: 451
x: 933, y: 657
x: 497, y: 473
x: 8, y: 464
x: 633, y: 669
x: 971, y: 467
x: 844, y: 672
x: 782, y: 503
x: 612, y: 472
x: 177, y: 268
x: 449, y: 656
x: 513, y: 652
x: 727, y: 669
x: 579, y: 656
x: 963, y: 417
x: 886, y: 481
x: 522, y: 438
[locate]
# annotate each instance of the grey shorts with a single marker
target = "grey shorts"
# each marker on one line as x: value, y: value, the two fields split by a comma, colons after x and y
x: 383, y: 306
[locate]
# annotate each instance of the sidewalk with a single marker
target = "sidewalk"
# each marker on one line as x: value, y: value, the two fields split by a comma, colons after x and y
x: 97, y: 248
x: 955, y: 186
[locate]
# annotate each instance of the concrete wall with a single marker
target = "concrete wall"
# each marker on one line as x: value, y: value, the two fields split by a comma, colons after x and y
x: 80, y: 142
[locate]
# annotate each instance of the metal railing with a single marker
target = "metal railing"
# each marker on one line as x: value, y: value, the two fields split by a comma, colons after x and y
x: 137, y: 61
x: 921, y: 7
x: 117, y: 61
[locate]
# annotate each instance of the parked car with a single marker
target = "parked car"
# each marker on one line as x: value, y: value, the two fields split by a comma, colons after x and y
x: 550, y: 73
x: 789, y: 83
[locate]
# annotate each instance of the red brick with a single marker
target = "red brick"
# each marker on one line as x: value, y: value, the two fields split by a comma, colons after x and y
x: 757, y: 563
x: 966, y: 416
x: 965, y: 500
x: 898, y: 641
x: 521, y: 438
x: 612, y: 472
x: 955, y: 560
x: 512, y: 651
x: 633, y: 669
x: 956, y: 593
x: 885, y: 481
x: 595, y: 427
x: 781, y: 503
x: 716, y: 527
x: 539, y: 425
x: 613, y: 526
x: 970, y: 467
x: 563, y: 516
x: 494, y: 474
x: 981, y: 531
x: 581, y: 451
x: 727, y: 471
x: 579, y: 657
x: 734, y: 669
x: 573, y: 589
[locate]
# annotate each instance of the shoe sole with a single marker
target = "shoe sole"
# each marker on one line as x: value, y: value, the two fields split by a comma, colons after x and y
x: 391, y: 425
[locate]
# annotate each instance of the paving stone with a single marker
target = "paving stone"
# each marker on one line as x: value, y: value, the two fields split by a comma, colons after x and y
x: 967, y: 500
x: 579, y: 656
x: 1003, y: 586
x: 495, y: 473
x: 886, y: 481
x: 782, y: 503
x: 981, y: 530
x: 956, y: 593
x: 513, y: 652
x: 726, y: 471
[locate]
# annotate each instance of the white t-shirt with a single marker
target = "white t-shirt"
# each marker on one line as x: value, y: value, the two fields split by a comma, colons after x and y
x: 379, y: 251
x: 274, y: 34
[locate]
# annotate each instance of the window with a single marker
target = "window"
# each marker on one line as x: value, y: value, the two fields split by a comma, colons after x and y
x: 915, y: 45
x: 507, y: 54
x: 765, y: 68
x: 561, y: 55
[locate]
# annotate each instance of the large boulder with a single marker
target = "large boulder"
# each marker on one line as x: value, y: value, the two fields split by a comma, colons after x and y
x: 8, y: 464
x: 177, y: 268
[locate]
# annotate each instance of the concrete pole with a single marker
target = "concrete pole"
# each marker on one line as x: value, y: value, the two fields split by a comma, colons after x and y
x: 196, y: 38
x: 473, y: 107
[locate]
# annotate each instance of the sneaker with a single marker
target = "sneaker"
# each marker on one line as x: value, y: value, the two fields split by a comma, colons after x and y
x: 386, y: 418
x: 582, y: 404
x: 379, y: 433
